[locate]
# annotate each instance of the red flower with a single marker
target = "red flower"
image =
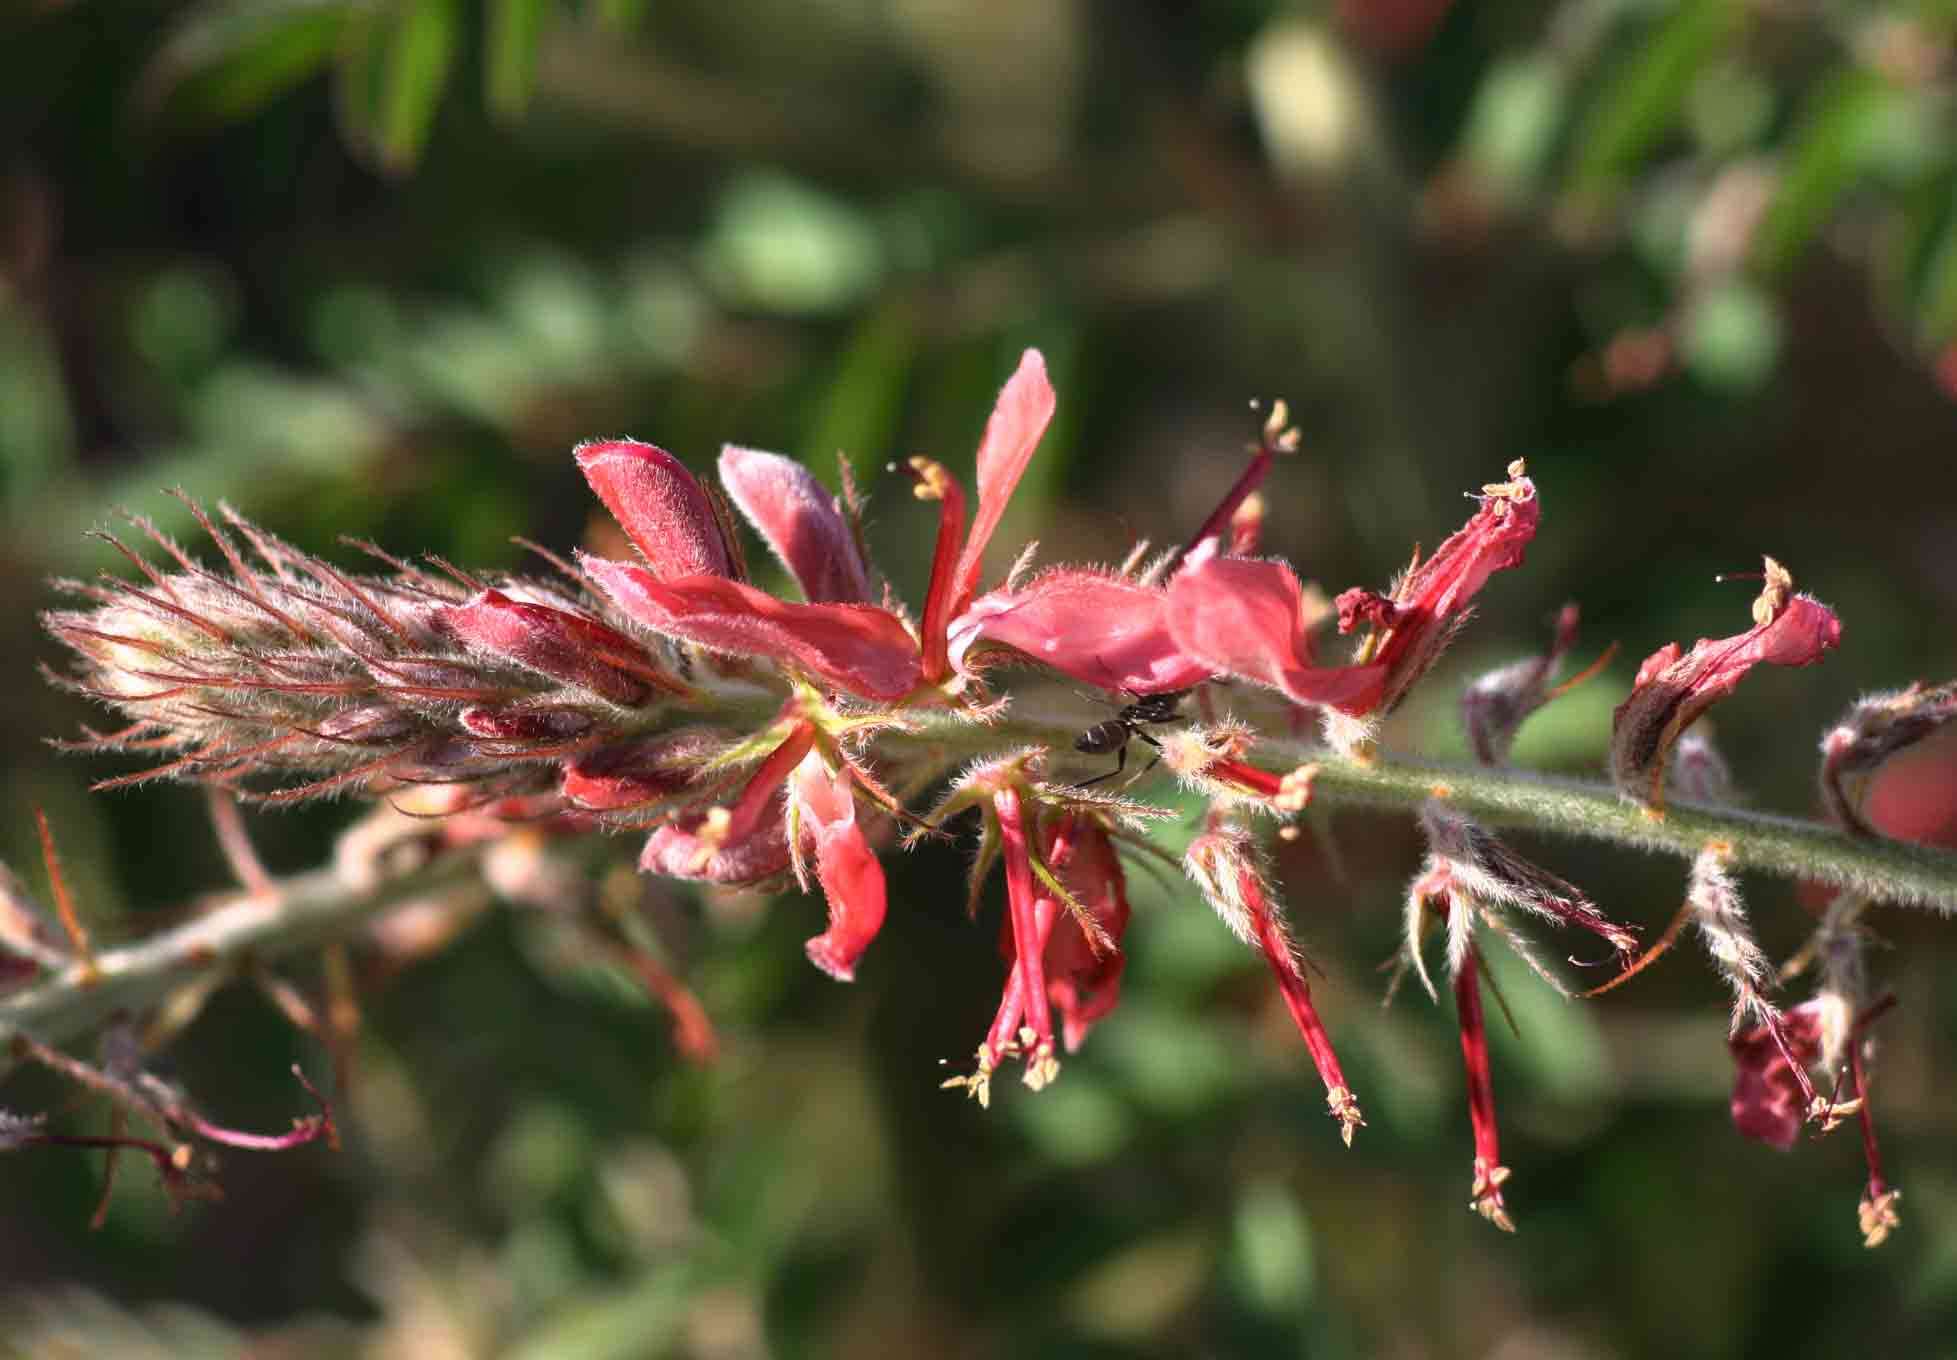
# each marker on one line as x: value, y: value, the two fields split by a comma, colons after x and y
x: 789, y: 508
x: 824, y: 807
x: 1672, y: 689
x: 1100, y: 629
x: 854, y: 647
x: 1246, y: 617
x: 666, y: 513
x: 1224, y: 865
x: 1413, y: 625
x: 1083, y: 973
x: 1019, y: 418
x: 736, y: 845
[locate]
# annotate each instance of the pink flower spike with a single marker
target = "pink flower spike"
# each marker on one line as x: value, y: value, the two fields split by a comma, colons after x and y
x: 1485, y: 1197
x: 1101, y: 630
x: 1672, y: 690
x: 851, y: 877
x: 790, y: 509
x: 1019, y: 418
x: 663, y: 510
x: 858, y: 648
x: 1413, y: 625
x: 1245, y: 617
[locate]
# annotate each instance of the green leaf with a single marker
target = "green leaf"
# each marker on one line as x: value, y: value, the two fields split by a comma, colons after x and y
x: 1827, y: 154
x: 416, y: 69
x: 226, y: 60
x: 1647, y: 93
x: 515, y: 27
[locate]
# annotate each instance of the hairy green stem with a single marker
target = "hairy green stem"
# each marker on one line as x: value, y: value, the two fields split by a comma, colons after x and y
x: 307, y: 910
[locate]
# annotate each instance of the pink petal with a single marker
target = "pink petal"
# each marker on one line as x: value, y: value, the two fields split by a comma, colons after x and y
x: 790, y: 509
x: 632, y: 774
x: 851, y: 876
x: 659, y: 505
x: 858, y: 648
x: 677, y: 852
x: 1767, y: 1104
x: 1245, y: 617
x: 1102, y: 630
x: 1019, y: 418
x: 1913, y: 796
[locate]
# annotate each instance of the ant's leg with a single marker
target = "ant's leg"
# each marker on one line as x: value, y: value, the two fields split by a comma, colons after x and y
x: 1120, y: 763
x: 1155, y: 759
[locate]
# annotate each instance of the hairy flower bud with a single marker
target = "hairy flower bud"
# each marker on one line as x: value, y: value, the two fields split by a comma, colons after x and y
x: 1496, y: 705
x: 556, y: 643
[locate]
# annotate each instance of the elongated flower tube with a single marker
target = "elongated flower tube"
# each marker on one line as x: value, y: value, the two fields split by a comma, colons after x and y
x: 1223, y: 862
x: 1674, y: 688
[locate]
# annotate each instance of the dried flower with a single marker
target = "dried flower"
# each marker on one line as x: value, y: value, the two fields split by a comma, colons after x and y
x: 1496, y: 705
x: 1674, y: 689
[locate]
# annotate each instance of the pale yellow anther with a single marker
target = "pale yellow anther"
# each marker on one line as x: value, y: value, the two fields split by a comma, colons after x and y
x: 932, y: 480
x: 1295, y: 789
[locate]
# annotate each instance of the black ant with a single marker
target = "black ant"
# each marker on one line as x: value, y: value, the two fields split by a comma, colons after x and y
x: 1112, y: 737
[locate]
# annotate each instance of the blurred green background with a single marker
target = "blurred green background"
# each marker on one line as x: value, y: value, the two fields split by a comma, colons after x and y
x: 371, y: 267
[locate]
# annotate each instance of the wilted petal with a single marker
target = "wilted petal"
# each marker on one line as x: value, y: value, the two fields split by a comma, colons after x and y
x: 663, y: 510
x: 1768, y: 1103
x: 1102, y: 630
x: 1245, y: 617
x: 1019, y: 418
x: 852, y: 878
x: 790, y: 509
x: 556, y: 643
x: 858, y: 648
x: 1672, y: 689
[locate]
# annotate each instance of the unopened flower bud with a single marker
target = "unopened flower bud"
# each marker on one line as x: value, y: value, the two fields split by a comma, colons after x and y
x: 556, y: 643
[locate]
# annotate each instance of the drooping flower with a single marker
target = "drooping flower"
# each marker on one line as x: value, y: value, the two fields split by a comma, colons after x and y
x: 1770, y: 1098
x: 1673, y: 688
x: 1224, y: 863
x: 1413, y: 623
x: 823, y: 814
